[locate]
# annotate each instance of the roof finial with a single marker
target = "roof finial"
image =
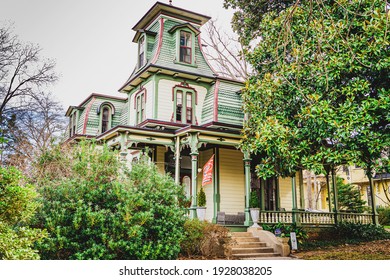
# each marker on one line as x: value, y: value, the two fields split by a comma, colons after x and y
x: 170, y: 2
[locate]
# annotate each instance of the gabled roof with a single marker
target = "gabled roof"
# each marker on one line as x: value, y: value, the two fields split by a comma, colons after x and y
x: 188, y: 25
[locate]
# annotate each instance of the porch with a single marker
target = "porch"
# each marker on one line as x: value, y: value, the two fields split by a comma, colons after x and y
x: 302, y: 218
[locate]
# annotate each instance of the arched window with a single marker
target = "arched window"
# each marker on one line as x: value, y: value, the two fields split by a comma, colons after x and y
x: 106, y: 117
x: 141, y: 52
x: 185, y: 100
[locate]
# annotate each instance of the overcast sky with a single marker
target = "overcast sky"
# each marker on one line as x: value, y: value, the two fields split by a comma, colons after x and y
x: 90, y: 40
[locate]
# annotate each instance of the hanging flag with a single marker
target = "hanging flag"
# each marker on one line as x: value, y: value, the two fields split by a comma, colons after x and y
x: 208, y: 171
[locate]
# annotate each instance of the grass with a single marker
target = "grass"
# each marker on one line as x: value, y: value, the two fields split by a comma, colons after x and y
x: 388, y: 227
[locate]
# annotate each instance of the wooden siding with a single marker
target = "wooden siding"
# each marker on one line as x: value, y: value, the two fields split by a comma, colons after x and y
x: 204, y: 156
x: 232, y: 181
x: 230, y: 103
x: 208, y: 106
x: 160, y: 160
x: 165, y: 103
x: 285, y: 193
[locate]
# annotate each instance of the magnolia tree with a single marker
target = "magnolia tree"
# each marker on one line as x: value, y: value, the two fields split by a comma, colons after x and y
x: 320, y: 95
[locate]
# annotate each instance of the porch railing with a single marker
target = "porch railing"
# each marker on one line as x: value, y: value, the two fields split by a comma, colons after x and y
x: 312, y: 218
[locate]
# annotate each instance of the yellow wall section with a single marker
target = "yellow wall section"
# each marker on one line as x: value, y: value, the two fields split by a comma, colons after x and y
x: 232, y: 181
x: 285, y: 193
x: 160, y: 159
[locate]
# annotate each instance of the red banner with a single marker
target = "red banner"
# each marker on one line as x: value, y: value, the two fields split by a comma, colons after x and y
x: 208, y: 172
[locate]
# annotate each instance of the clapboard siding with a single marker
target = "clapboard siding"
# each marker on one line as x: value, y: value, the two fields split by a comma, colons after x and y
x: 285, y: 193
x: 160, y: 159
x: 232, y: 181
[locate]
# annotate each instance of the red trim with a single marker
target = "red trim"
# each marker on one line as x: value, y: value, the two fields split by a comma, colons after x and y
x: 160, y: 38
x: 87, y: 114
x: 216, y: 89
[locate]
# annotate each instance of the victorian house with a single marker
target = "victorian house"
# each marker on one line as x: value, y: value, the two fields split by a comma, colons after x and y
x: 180, y: 111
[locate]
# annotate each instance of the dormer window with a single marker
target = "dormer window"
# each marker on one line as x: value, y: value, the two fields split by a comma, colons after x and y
x: 105, y: 119
x: 185, y: 47
x: 72, y: 124
x: 141, y: 52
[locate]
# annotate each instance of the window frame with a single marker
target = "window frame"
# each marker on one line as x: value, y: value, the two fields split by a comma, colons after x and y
x: 142, y: 39
x: 140, y: 99
x: 192, y: 47
x: 73, y: 120
x: 185, y: 91
x: 109, y: 121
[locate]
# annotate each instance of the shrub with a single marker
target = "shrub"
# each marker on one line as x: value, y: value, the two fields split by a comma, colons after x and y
x: 201, y: 198
x: 287, y: 229
x: 17, y: 206
x: 254, y: 200
x: 99, y: 210
x: 358, y: 231
x: 205, y: 239
x: 384, y: 215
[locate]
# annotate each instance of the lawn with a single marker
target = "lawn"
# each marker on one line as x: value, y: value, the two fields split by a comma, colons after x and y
x: 374, y: 250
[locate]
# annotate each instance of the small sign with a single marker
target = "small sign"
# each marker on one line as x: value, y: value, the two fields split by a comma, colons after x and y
x: 294, y: 243
x: 278, y: 232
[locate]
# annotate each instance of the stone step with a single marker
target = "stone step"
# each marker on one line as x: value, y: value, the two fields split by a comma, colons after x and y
x: 245, y: 239
x: 249, y: 244
x: 252, y: 250
x: 241, y: 234
x: 256, y: 255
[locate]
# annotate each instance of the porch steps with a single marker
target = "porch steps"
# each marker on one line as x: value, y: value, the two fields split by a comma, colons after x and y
x: 246, y: 246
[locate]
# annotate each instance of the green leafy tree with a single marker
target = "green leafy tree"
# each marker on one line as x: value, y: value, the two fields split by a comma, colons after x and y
x: 349, y: 197
x: 17, y: 206
x: 95, y: 209
x: 321, y: 92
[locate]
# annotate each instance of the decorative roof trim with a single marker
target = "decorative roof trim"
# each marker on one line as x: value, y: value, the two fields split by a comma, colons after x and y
x: 87, y: 114
x: 106, y: 103
x: 215, y: 109
x: 184, y: 25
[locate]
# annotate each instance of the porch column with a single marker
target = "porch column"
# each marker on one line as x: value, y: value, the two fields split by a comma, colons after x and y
x: 216, y: 193
x: 335, y: 196
x: 193, y: 137
x: 247, y: 166
x: 372, y: 198
x: 177, y: 160
x: 294, y: 198
x: 301, y: 190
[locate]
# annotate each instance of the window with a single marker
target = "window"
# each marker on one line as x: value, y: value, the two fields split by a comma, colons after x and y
x: 185, y: 47
x: 141, y: 52
x: 105, y: 119
x: 72, y: 124
x: 184, y: 104
x: 140, y: 107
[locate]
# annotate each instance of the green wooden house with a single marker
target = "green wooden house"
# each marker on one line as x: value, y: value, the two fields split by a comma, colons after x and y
x: 180, y: 111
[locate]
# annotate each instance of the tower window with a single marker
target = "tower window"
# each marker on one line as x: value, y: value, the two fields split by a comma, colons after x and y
x: 185, y: 47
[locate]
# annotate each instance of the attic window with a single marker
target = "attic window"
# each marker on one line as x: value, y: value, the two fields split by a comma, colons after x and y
x: 185, y: 47
x: 141, y: 52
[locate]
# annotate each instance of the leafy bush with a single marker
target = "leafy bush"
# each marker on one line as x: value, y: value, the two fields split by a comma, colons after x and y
x: 287, y: 229
x: 254, y: 200
x: 201, y: 198
x: 99, y: 210
x: 205, y: 239
x: 384, y: 215
x: 17, y: 206
x: 358, y: 231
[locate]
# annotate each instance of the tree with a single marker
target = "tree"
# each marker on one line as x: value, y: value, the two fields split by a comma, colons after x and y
x: 94, y: 209
x: 28, y: 115
x: 349, y: 197
x: 320, y: 95
x: 22, y: 72
x: 225, y: 53
x: 17, y: 207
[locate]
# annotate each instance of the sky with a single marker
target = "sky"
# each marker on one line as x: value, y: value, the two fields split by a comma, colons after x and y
x: 90, y: 40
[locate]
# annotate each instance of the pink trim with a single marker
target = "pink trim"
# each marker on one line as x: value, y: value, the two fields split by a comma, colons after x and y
x: 216, y: 101
x: 204, y: 56
x: 160, y: 38
x: 87, y: 114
